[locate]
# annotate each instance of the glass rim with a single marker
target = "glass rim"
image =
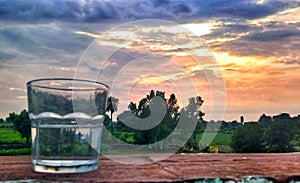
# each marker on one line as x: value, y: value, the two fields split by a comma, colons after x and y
x: 35, y: 82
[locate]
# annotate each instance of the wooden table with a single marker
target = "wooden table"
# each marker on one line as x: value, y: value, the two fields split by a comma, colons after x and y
x: 178, y: 167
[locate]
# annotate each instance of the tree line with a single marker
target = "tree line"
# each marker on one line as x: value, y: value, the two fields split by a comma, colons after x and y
x: 279, y: 133
x: 269, y: 134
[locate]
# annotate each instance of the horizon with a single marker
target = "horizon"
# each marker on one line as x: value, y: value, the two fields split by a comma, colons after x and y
x: 246, y: 51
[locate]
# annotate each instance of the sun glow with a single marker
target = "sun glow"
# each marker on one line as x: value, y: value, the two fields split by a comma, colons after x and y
x: 198, y: 29
x: 224, y: 58
x: 260, y: 2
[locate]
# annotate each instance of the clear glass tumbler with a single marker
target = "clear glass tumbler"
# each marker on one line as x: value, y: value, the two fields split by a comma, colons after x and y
x: 66, y: 123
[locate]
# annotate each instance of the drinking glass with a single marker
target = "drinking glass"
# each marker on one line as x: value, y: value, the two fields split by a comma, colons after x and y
x: 66, y: 123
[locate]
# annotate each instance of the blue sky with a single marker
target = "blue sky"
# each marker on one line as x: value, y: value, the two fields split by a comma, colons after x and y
x: 256, y: 44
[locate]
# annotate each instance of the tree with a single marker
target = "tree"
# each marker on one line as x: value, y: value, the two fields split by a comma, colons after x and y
x: 173, y: 108
x: 248, y: 138
x: 151, y: 95
x: 142, y: 111
x: 21, y: 123
x: 192, y: 118
x: 11, y: 117
x: 193, y: 110
x: 295, y: 139
x: 265, y: 120
x: 170, y: 120
x: 132, y: 107
x: 143, y: 108
x: 112, y: 105
x: 279, y: 134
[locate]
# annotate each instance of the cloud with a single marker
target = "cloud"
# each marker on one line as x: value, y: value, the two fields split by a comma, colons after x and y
x: 262, y: 88
x: 288, y: 60
x: 273, y: 35
x: 290, y: 15
x: 250, y: 9
x: 103, y: 11
x: 36, y: 51
x: 70, y: 10
x: 41, y: 43
x: 6, y: 55
x: 45, y: 38
x: 271, y: 39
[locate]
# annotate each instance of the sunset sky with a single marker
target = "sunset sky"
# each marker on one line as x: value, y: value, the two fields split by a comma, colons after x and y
x: 247, y: 51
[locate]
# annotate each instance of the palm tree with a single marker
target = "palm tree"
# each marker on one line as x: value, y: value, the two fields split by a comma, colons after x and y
x: 112, y: 105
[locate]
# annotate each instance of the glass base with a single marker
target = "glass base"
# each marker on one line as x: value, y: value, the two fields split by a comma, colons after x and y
x: 64, y: 166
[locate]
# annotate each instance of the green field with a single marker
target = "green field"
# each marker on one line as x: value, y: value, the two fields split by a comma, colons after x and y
x: 14, y: 152
x: 221, y: 140
x: 217, y: 139
x: 9, y: 135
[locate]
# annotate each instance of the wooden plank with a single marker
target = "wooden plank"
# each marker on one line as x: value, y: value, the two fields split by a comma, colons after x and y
x: 177, y: 167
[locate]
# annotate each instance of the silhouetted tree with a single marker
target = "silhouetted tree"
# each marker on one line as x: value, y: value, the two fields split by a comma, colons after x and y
x: 173, y: 107
x: 151, y: 95
x: 143, y: 108
x: 282, y: 116
x: 265, y: 120
x: 112, y: 105
x: 11, y: 117
x: 132, y: 107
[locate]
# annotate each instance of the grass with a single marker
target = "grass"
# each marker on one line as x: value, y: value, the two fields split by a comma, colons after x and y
x: 9, y: 135
x: 15, y: 152
x: 218, y: 139
x: 221, y: 139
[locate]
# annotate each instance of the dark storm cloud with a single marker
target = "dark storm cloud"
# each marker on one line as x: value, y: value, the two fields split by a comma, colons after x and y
x: 273, y: 35
x: 69, y: 10
x: 248, y: 9
x: 97, y: 11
